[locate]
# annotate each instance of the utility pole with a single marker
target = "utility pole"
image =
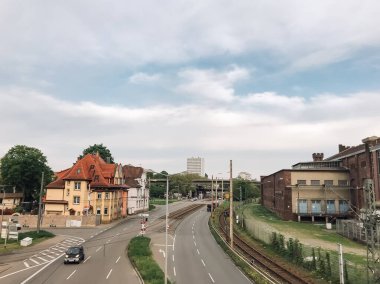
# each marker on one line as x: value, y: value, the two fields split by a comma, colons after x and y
x: 231, y: 209
x: 212, y: 196
x: 39, y: 204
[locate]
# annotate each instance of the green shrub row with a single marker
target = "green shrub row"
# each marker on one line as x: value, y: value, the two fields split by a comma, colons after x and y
x: 141, y: 257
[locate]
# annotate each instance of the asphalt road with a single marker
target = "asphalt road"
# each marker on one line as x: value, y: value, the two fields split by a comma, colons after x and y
x: 197, y: 258
x: 105, y: 255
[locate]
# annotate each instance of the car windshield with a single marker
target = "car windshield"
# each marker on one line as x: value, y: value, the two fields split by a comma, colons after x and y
x: 73, y: 250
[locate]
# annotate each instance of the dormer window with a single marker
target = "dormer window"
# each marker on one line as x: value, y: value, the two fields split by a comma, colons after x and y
x: 96, y: 178
x: 78, y: 171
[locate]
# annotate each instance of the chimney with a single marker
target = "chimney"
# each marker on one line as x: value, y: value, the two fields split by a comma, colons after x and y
x: 342, y: 147
x: 318, y: 157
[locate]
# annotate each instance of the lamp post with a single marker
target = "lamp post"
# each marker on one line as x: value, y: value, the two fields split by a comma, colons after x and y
x: 166, y: 224
x: 166, y: 229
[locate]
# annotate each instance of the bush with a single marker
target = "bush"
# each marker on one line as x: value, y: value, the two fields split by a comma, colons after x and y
x: 141, y: 256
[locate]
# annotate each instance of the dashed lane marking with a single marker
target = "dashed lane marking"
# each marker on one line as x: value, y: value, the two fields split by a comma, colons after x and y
x: 71, y: 274
x: 109, y: 273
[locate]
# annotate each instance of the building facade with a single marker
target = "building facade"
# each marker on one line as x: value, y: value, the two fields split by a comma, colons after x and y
x: 307, y: 191
x: 90, y: 186
x: 196, y: 166
x: 363, y: 162
x: 138, y: 197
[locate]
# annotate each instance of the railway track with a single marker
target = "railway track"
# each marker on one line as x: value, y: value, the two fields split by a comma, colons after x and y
x: 278, y: 273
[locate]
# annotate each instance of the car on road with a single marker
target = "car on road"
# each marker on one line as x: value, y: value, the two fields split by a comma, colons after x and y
x: 74, y: 254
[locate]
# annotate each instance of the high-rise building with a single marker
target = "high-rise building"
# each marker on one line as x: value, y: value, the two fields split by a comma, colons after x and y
x: 196, y: 166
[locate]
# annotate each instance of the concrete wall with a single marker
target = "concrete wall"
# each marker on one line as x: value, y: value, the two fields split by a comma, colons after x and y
x: 53, y: 220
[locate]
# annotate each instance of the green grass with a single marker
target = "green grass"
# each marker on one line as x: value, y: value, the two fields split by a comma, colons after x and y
x: 308, y: 229
x: 161, y: 201
x: 140, y: 255
x: 14, y: 245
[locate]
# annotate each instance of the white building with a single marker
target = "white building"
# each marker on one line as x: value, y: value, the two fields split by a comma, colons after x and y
x: 196, y: 166
x: 138, y: 193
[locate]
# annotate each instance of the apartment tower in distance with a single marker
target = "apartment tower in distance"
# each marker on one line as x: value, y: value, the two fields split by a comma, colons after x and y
x: 196, y: 166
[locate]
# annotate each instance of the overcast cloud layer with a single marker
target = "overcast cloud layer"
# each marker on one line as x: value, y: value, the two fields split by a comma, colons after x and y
x: 264, y: 83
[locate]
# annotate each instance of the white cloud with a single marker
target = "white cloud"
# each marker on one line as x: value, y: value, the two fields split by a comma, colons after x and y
x: 62, y: 129
x: 142, y: 77
x: 210, y: 84
x: 179, y: 31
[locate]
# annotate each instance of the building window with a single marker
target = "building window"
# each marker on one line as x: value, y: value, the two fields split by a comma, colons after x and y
x: 107, y: 195
x: 330, y: 206
x: 316, y: 206
x: 342, y: 182
x: 301, y: 182
x: 329, y: 182
x: 105, y: 210
x: 77, y: 185
x: 315, y: 182
x: 302, y: 206
x: 98, y: 211
x: 76, y: 200
x: 343, y: 206
x: 99, y: 195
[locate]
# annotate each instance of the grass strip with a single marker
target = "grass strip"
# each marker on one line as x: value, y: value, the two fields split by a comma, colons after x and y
x: 15, y: 245
x: 141, y: 257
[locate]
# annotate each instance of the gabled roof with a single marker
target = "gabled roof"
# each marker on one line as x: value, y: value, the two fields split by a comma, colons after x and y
x: 132, y: 173
x: 91, y: 168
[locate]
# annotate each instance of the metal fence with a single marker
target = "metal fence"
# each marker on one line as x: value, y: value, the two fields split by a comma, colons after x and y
x: 314, y: 258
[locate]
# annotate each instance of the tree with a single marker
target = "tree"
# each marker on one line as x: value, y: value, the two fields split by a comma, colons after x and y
x: 22, y: 167
x: 248, y: 189
x: 103, y: 151
x: 182, y: 183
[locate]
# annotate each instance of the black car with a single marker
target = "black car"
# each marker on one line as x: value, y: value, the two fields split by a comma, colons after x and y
x: 74, y: 254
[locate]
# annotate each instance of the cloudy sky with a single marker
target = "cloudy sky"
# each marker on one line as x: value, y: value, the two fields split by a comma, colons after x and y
x: 264, y: 83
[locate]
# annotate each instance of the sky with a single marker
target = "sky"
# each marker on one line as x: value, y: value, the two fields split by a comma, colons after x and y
x: 262, y: 83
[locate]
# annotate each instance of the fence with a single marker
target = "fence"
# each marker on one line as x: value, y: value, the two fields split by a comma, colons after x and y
x: 325, y: 263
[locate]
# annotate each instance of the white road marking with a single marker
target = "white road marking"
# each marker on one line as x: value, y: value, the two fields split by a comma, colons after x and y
x: 195, y: 243
x: 198, y: 251
x: 92, y: 236
x: 98, y: 249
x: 109, y: 273
x: 87, y: 259
x: 71, y: 274
x: 174, y: 271
x: 212, y: 279
x: 117, y: 260
x: 26, y: 264
x: 50, y: 256
x: 45, y: 260
x: 173, y: 257
x: 108, y: 241
x: 204, y: 264
x: 35, y: 261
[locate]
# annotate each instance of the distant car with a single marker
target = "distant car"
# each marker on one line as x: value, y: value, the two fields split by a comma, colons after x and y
x: 74, y: 255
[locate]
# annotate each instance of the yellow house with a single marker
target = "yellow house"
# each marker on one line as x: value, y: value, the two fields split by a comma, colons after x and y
x: 90, y: 186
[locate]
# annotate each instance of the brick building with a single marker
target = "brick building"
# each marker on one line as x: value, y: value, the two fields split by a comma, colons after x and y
x: 331, y: 187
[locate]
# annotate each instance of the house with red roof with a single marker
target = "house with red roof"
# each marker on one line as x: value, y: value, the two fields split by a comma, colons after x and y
x: 90, y: 186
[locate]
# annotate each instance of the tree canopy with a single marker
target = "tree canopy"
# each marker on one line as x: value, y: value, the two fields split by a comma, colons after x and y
x: 22, y: 167
x: 248, y: 189
x: 103, y: 151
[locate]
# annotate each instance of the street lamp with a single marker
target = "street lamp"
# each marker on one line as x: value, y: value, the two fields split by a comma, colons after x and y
x: 166, y: 225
